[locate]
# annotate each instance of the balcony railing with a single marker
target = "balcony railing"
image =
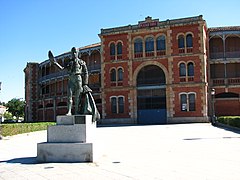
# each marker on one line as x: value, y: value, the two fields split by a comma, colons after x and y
x: 138, y: 55
x: 189, y: 49
x: 52, y: 76
x: 234, y: 81
x: 119, y: 57
x: 235, y: 54
x: 187, y: 79
x: 181, y: 50
x: 161, y: 52
x: 95, y: 67
x: 216, y: 55
x: 112, y: 57
x: 220, y: 55
x: 149, y: 54
x: 225, y: 81
x: 218, y: 82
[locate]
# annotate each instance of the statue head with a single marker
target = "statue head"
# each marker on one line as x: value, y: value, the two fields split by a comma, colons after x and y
x: 74, y: 53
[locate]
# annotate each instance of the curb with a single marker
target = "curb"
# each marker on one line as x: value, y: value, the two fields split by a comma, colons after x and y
x: 227, y: 127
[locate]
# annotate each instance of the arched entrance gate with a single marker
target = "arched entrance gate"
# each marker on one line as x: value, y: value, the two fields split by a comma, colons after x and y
x: 151, y: 95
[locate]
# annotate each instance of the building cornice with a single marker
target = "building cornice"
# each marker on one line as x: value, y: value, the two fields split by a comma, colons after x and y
x: 152, y: 23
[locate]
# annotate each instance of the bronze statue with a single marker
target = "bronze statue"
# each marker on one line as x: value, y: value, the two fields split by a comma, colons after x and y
x: 78, y: 84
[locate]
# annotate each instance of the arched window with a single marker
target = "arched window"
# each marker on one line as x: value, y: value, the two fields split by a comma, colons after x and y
x: 119, y: 48
x: 181, y: 43
x: 149, y: 44
x: 138, y: 46
x: 113, y: 75
x: 112, y: 49
x: 190, y: 68
x: 120, y: 74
x: 189, y: 40
x: 182, y: 69
x: 161, y: 43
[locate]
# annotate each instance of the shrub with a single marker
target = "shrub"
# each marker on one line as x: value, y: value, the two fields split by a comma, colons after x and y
x: 19, y: 128
x: 230, y: 120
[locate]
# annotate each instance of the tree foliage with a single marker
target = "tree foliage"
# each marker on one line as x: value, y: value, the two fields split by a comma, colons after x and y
x: 2, y: 103
x: 16, y: 107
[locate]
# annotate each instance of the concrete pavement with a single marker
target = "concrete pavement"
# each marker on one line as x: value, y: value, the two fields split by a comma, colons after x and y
x: 168, y: 152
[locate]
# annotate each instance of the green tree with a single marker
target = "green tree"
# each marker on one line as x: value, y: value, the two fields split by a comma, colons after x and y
x: 2, y: 103
x: 16, y: 107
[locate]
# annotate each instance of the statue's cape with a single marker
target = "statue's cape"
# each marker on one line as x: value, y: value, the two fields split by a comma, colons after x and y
x: 90, y: 107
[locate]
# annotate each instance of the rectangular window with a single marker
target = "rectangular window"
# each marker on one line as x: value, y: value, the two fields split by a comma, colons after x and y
x: 191, y: 98
x: 183, y: 102
x: 114, y: 105
x: 117, y: 105
x: 188, y: 102
x: 120, y: 105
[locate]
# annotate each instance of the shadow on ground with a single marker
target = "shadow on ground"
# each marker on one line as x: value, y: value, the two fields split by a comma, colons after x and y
x: 24, y: 160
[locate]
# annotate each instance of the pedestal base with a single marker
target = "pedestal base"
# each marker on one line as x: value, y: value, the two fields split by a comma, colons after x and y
x: 71, y: 140
x: 65, y: 152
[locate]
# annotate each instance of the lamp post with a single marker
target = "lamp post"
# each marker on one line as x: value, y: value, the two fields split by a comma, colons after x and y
x: 213, y: 119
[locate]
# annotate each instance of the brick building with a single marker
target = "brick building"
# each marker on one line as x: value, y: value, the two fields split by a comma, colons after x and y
x: 153, y: 72
x: 224, y: 60
x: 46, y: 86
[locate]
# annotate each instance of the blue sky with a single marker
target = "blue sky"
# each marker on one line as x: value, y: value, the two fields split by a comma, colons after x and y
x: 29, y: 28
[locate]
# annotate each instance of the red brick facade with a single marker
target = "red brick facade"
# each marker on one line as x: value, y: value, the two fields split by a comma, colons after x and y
x: 168, y: 60
x: 224, y: 71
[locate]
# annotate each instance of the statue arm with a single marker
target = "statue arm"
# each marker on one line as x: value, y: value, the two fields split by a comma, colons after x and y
x: 58, y: 66
x: 53, y: 60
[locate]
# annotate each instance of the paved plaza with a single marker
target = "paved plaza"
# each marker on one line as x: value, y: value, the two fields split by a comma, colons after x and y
x: 175, y: 152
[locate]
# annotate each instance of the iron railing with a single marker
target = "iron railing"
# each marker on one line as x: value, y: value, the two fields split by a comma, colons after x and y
x: 220, y: 55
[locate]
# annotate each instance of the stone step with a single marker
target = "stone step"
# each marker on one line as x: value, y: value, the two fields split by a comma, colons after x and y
x: 64, y: 152
x: 71, y: 133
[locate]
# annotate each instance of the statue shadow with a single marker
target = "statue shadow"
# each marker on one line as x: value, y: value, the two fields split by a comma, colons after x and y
x: 24, y: 160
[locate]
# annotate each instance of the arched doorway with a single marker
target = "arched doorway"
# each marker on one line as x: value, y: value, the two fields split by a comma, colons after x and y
x: 151, y: 95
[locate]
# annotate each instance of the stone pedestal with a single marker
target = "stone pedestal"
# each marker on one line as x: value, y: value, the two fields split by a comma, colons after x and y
x: 71, y: 140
